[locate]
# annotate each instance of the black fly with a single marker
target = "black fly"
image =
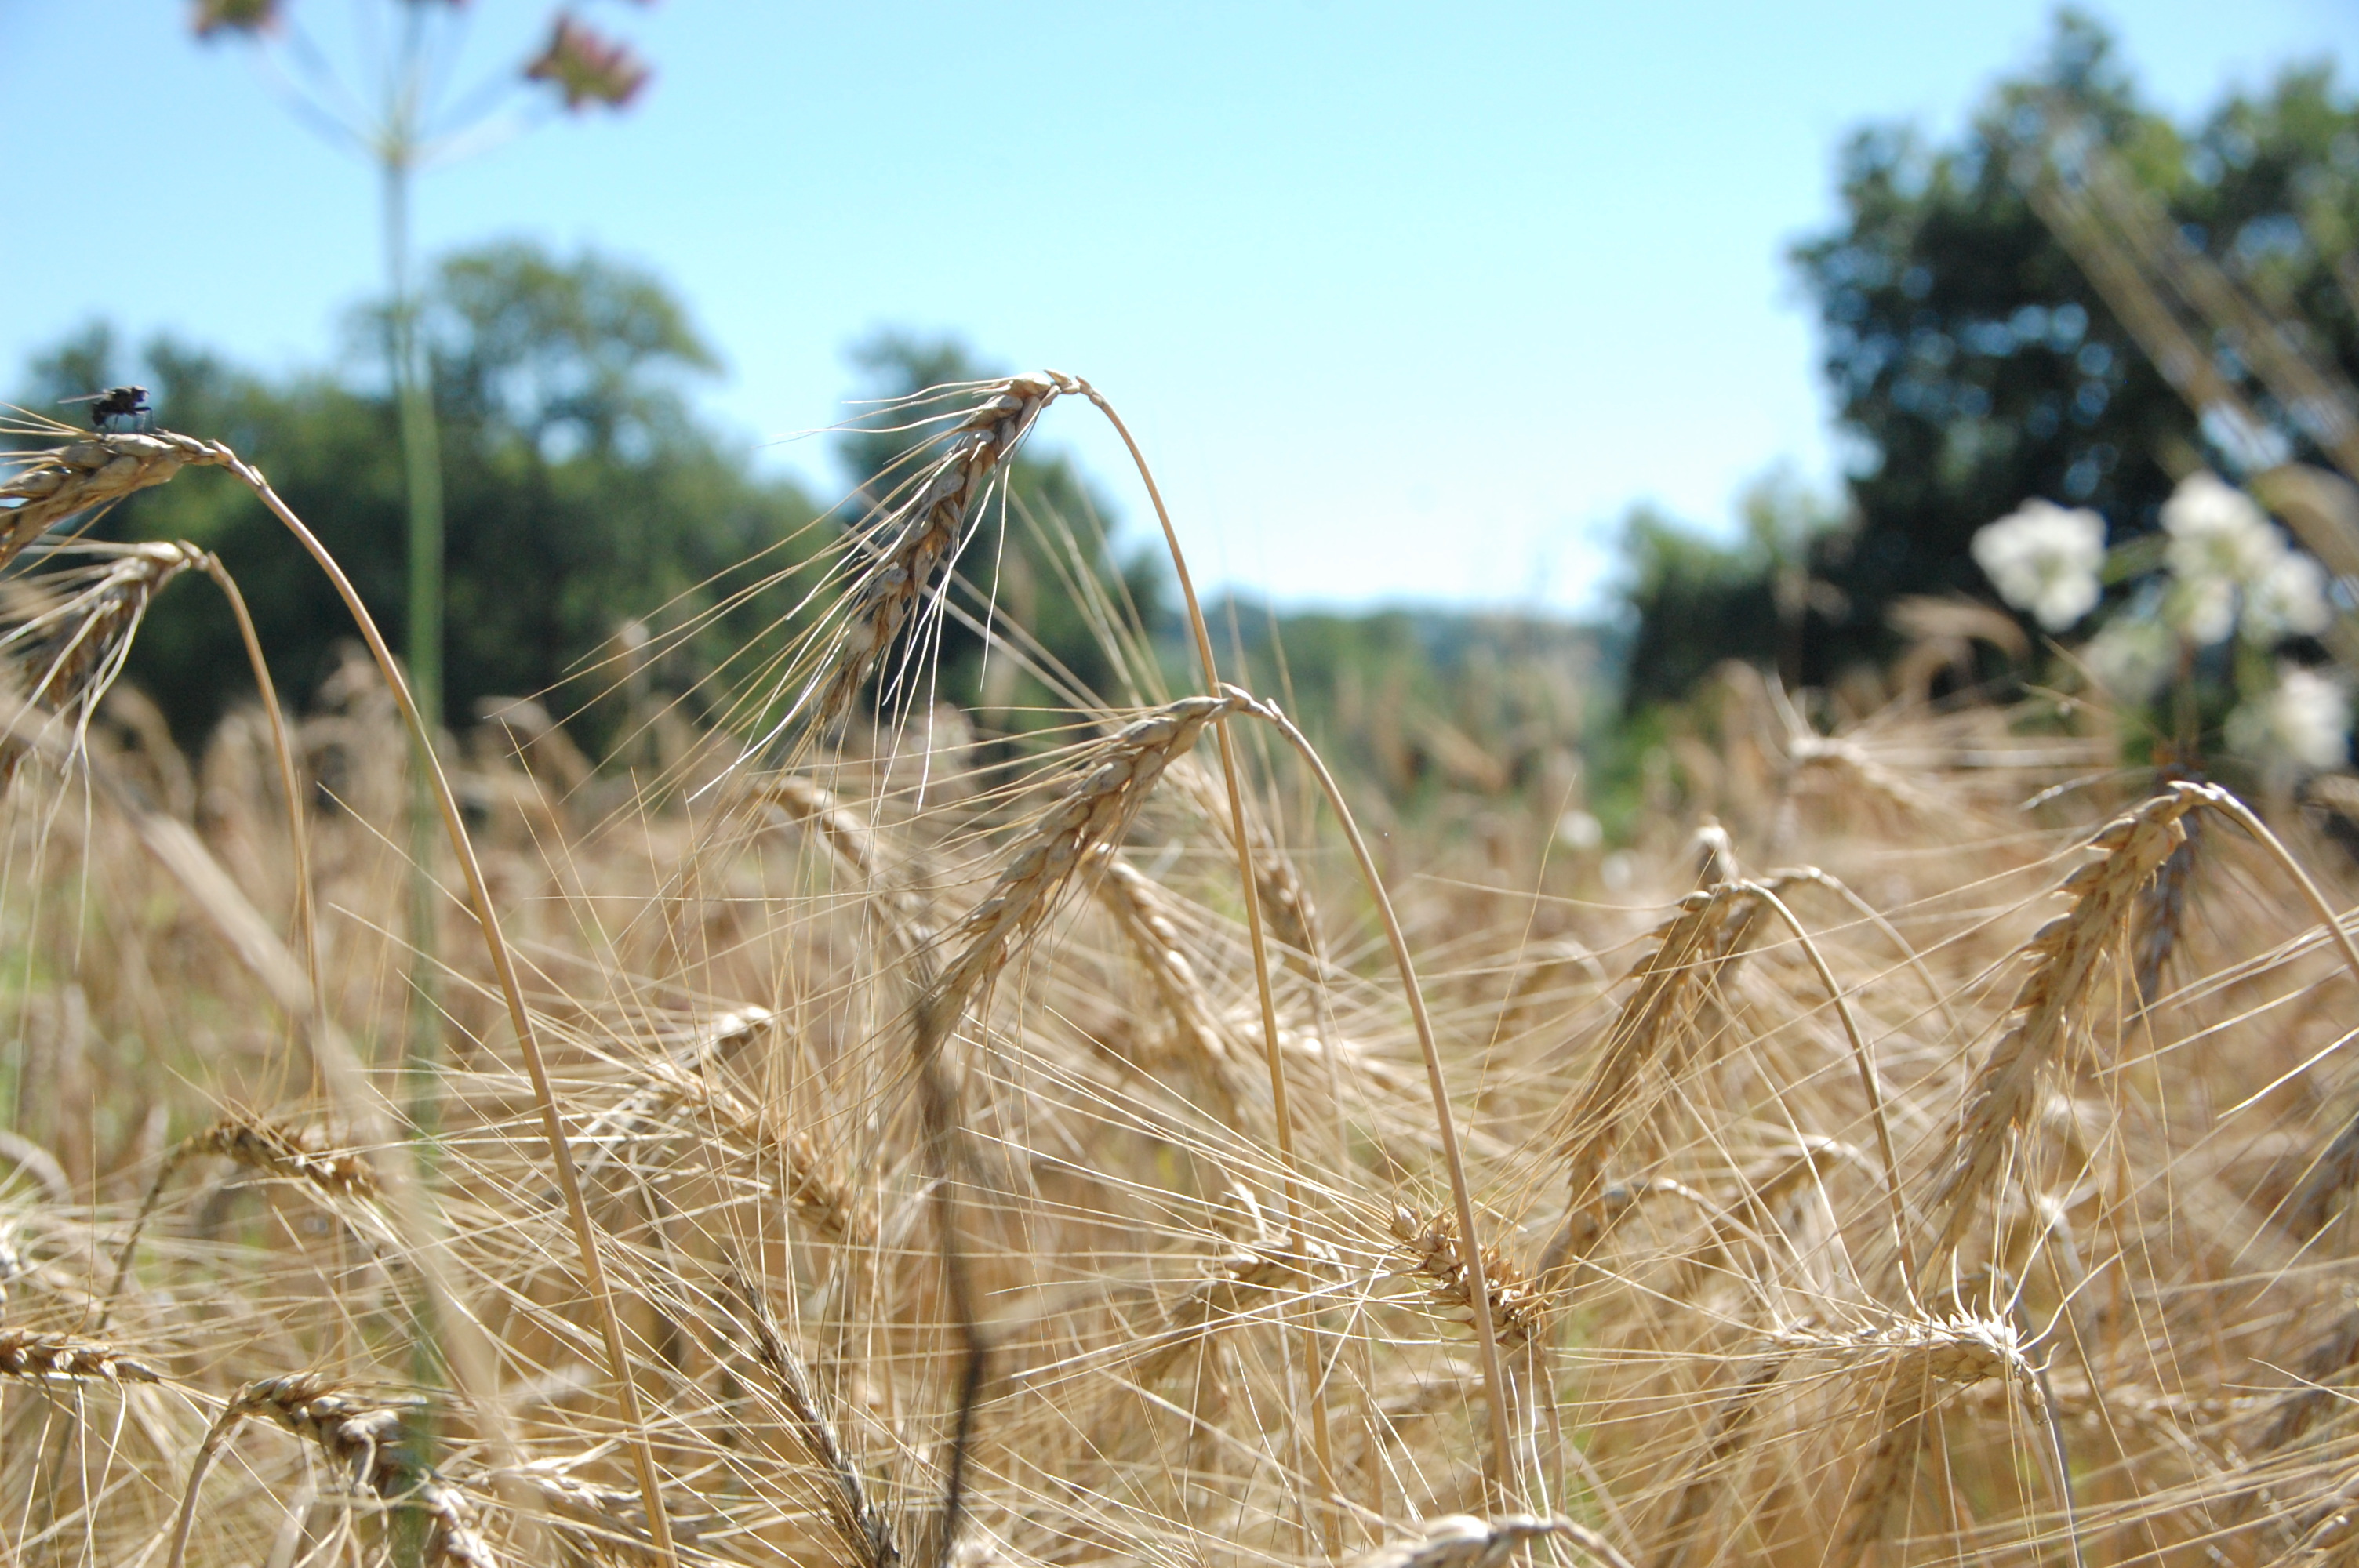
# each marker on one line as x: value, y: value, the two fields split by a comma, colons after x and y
x: 116, y: 403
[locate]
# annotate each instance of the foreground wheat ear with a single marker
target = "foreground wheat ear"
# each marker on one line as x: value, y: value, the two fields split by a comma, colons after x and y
x: 72, y: 479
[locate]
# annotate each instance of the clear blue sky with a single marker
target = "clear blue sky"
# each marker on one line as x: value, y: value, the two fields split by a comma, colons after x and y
x: 1404, y: 302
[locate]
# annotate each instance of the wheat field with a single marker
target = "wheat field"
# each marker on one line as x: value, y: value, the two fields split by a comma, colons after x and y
x: 858, y: 1139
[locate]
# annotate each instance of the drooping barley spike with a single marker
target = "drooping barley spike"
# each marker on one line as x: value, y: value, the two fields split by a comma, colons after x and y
x: 862, y: 1527
x: 1097, y: 809
x: 852, y: 840
x: 306, y: 1157
x: 59, y: 483
x: 1687, y: 950
x: 906, y: 920
x: 365, y: 1441
x: 916, y: 540
x: 66, y: 654
x: 2063, y: 955
x: 814, y: 1187
x: 1518, y: 1308
x: 32, y: 1355
x: 599, y: 1523
x: 638, y: 1116
x: 1915, y: 1361
x: 1230, y: 1291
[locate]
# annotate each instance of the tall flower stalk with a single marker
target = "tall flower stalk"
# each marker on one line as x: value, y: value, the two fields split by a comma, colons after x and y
x: 394, y: 104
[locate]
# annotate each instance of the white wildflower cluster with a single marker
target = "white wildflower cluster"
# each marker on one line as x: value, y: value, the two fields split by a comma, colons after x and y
x: 2132, y: 656
x: 2231, y: 569
x: 2230, y: 572
x: 2226, y: 558
x: 2044, y: 559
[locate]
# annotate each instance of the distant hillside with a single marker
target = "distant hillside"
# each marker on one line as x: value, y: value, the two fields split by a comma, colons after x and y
x: 1483, y: 700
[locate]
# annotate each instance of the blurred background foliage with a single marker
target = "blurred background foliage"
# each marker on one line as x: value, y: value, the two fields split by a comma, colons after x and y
x: 1970, y: 364
x: 583, y: 492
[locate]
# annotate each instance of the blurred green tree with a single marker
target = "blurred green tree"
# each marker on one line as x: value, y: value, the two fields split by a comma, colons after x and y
x: 1972, y: 365
x: 582, y: 491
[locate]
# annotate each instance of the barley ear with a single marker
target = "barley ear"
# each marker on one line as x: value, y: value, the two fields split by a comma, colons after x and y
x: 2064, y: 955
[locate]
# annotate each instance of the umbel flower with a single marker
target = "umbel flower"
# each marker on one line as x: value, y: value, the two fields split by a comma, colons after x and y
x: 2044, y: 559
x: 2133, y: 657
x: 588, y: 68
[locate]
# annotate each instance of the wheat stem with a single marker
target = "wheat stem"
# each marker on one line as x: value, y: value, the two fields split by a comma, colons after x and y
x: 1869, y: 1086
x: 1249, y: 893
x: 519, y: 1016
x: 1487, y: 1336
x: 299, y: 836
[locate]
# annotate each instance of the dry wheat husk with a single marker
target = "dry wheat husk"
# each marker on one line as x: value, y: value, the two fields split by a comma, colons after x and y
x: 56, y: 485
x: 919, y: 537
x: 1687, y: 953
x: 1916, y: 1362
x: 366, y: 1442
x: 863, y: 1528
x: 1518, y: 1306
x: 1139, y: 913
x: 34, y: 1356
x: 1095, y: 811
x: 307, y: 1157
x: 2064, y: 955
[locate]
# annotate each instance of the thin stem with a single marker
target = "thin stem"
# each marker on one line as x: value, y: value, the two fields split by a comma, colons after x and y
x: 1281, y: 1113
x: 421, y: 459
x: 1486, y: 1337
x: 289, y: 781
x: 2236, y: 811
x: 528, y: 1040
x: 1868, y: 1084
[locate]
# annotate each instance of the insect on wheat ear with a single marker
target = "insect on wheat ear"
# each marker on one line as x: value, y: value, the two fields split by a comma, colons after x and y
x: 116, y: 403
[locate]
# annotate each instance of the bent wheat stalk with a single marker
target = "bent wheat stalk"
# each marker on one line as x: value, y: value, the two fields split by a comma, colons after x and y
x: 1249, y: 891
x: 1486, y: 1333
x: 70, y: 480
x: 479, y: 893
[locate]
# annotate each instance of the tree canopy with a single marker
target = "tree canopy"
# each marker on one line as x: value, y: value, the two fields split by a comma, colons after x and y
x: 1971, y: 364
x: 583, y: 492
